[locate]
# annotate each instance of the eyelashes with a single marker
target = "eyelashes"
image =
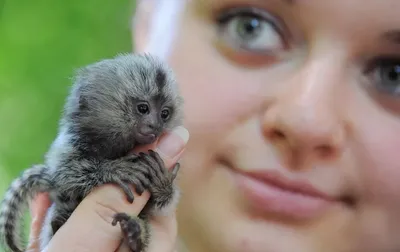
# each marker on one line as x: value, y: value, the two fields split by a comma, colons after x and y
x: 384, y: 72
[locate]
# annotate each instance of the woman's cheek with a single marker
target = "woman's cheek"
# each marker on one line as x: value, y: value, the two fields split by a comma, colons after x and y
x: 375, y: 145
x: 382, y: 166
x: 214, y: 104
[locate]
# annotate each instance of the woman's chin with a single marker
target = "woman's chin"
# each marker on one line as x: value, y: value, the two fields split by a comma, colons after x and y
x: 242, y: 233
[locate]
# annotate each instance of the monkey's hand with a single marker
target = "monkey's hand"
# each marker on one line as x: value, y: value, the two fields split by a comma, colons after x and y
x: 162, y: 189
x: 135, y: 231
x: 130, y: 170
x: 143, y: 172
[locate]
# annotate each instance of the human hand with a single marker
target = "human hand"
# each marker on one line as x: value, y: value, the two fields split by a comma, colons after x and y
x: 89, y: 227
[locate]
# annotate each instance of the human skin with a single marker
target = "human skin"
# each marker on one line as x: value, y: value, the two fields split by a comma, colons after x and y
x: 313, y: 104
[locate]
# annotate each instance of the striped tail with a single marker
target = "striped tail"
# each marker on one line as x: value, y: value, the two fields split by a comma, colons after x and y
x: 32, y: 181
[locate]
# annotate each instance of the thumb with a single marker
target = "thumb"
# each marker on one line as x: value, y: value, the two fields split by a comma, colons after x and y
x: 89, y: 227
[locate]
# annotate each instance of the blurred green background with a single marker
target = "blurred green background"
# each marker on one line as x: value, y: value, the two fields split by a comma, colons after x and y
x: 41, y: 43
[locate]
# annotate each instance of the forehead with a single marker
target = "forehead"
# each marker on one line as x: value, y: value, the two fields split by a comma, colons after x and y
x: 163, y: 91
x: 157, y: 84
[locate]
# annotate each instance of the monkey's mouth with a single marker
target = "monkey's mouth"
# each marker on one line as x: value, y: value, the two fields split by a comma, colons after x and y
x: 146, y: 138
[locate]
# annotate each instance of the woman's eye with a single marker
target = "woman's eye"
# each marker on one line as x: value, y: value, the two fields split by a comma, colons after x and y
x: 386, y: 75
x: 251, y: 30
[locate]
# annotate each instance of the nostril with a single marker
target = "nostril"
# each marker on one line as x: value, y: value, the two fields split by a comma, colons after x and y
x: 151, y: 126
x: 324, y: 150
x: 276, y: 135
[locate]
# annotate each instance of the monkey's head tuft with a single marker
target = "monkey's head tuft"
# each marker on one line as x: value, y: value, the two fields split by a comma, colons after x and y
x: 118, y: 103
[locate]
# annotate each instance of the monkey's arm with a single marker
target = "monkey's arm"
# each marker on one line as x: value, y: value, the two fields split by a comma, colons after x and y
x: 77, y: 178
x: 164, y: 194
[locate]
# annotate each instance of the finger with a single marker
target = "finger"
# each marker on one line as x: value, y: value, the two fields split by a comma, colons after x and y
x: 164, y: 233
x: 170, y: 146
x: 164, y: 228
x: 89, y: 227
x: 124, y: 247
x: 38, y: 208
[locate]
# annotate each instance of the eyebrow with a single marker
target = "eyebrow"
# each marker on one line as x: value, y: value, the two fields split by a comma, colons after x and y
x: 392, y: 36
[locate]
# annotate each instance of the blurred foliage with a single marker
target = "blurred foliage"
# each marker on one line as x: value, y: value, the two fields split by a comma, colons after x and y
x: 42, y: 42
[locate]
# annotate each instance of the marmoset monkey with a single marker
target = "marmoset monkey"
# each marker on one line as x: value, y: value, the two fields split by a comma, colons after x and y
x: 114, y: 105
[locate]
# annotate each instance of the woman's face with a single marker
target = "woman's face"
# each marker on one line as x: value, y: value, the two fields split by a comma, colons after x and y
x: 294, y: 116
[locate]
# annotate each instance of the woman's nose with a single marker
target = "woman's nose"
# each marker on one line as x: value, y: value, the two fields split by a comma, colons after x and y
x: 306, y: 118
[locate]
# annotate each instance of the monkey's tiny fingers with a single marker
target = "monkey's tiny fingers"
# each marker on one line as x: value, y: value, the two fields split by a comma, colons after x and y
x: 171, y: 146
x: 131, y: 229
x: 127, y: 190
x: 158, y: 161
x: 118, y: 217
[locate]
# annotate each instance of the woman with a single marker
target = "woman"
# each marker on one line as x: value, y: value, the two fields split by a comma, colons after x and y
x: 293, y: 115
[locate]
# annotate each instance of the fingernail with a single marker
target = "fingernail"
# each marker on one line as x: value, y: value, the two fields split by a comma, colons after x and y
x: 173, y: 143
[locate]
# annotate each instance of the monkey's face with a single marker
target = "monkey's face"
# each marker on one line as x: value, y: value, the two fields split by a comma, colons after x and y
x: 114, y: 127
x: 119, y: 103
x: 151, y: 119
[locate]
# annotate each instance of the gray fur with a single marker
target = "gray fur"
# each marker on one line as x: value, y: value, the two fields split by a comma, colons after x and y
x: 100, y: 125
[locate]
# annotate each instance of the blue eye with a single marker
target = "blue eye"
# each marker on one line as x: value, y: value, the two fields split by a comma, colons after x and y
x: 386, y: 75
x: 251, y: 29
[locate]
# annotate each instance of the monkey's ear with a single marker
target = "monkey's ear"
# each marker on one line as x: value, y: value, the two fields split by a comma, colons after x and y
x: 141, y: 24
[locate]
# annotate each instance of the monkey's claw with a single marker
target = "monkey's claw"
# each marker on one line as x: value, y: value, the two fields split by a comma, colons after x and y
x: 154, y: 160
x: 127, y: 190
x: 131, y: 230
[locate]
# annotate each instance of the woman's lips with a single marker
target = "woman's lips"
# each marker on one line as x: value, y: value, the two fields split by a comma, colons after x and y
x: 270, y: 192
x: 268, y: 196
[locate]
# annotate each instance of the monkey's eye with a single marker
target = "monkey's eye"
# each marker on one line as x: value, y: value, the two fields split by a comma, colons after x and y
x: 143, y: 108
x: 165, y: 114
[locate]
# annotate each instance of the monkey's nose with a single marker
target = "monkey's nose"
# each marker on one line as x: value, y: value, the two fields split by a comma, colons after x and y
x: 149, y: 129
x: 151, y: 126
